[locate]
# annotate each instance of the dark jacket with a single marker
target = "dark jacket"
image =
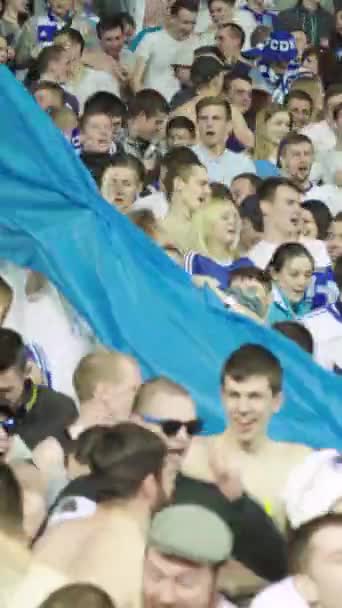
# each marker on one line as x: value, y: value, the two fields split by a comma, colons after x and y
x: 44, y: 413
x: 258, y: 544
x: 316, y: 25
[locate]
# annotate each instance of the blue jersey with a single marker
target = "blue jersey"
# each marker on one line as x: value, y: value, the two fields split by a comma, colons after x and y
x: 194, y: 263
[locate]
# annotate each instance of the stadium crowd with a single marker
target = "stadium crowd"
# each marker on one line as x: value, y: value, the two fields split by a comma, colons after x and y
x: 215, y: 126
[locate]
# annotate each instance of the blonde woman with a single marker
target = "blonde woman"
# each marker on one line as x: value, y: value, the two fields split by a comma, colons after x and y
x: 272, y: 125
x: 215, y: 233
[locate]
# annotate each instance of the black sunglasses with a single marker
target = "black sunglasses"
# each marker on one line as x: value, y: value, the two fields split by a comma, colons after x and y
x: 172, y: 427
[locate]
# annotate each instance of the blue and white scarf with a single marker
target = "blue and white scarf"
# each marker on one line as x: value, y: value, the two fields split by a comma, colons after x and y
x: 279, y: 84
x: 48, y: 25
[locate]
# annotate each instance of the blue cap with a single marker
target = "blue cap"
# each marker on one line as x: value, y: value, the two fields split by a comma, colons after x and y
x: 279, y: 47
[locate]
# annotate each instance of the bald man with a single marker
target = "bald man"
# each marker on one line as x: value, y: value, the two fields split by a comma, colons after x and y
x: 106, y: 383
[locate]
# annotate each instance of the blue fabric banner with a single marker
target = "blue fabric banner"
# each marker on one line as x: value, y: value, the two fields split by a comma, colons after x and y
x: 133, y: 296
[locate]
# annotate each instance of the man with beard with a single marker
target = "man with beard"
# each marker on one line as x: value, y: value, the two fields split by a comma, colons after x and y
x: 296, y: 156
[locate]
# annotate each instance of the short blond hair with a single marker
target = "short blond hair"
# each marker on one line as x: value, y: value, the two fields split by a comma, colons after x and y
x: 150, y: 388
x: 65, y: 119
x: 100, y: 366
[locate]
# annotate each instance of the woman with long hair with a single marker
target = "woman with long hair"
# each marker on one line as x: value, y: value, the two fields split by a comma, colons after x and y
x: 316, y: 220
x: 214, y: 240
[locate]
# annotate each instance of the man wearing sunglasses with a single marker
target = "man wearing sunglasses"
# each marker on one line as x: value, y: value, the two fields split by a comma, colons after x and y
x: 167, y: 409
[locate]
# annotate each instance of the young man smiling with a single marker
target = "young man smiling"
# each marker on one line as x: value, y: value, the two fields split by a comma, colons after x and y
x: 251, y: 388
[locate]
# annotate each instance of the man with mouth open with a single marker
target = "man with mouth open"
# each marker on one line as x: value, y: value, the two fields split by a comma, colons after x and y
x: 296, y: 157
x: 280, y: 203
x: 214, y: 122
x: 251, y: 388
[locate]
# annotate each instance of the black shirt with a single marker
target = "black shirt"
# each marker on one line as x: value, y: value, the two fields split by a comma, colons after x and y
x: 258, y: 544
x: 44, y: 413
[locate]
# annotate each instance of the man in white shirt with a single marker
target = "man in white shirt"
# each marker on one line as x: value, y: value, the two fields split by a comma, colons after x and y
x: 280, y: 202
x: 214, y: 122
x: 223, y: 12
x: 156, y: 53
x: 84, y: 81
x: 296, y: 157
x: 315, y: 558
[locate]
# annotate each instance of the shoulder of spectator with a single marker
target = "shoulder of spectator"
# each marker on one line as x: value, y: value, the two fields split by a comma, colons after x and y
x: 64, y: 403
x: 197, y: 461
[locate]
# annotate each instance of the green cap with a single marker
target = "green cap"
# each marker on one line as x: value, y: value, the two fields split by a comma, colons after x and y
x: 191, y: 532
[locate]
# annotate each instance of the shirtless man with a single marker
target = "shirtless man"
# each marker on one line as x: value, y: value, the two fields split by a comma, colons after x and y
x: 252, y: 393
x: 104, y: 542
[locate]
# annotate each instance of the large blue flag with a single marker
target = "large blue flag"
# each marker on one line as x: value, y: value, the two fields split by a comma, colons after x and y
x: 133, y: 296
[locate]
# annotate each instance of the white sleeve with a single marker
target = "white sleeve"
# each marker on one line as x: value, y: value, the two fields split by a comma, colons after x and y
x: 145, y: 48
x: 106, y: 82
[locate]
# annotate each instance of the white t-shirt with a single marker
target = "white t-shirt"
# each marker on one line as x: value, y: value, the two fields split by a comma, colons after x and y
x: 262, y: 252
x: 155, y: 202
x: 44, y: 321
x: 91, y: 82
x: 321, y: 135
x: 329, y: 194
x: 325, y: 326
x: 331, y: 162
x: 159, y: 50
x: 224, y: 168
x: 280, y: 595
x: 242, y: 18
x: 323, y: 139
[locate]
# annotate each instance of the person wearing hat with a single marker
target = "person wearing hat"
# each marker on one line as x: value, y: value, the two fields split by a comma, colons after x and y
x: 276, y: 64
x: 186, y: 546
x: 309, y: 16
x: 207, y: 77
x: 182, y: 71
